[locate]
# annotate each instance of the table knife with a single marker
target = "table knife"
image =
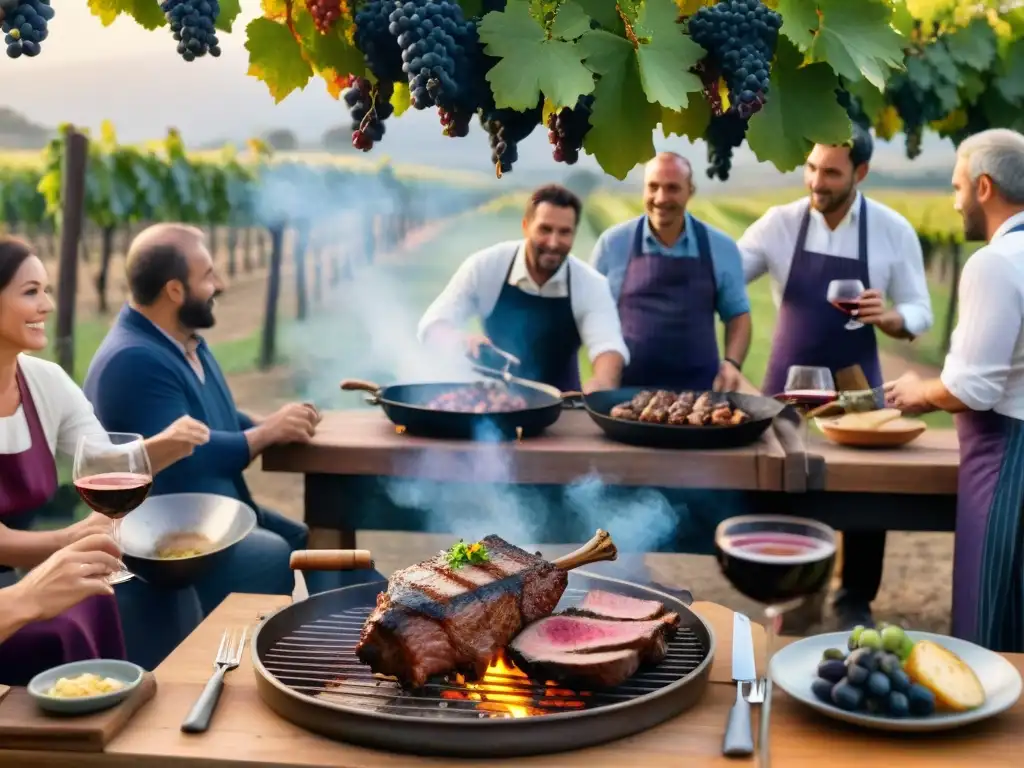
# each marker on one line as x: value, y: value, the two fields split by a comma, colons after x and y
x: 739, y: 737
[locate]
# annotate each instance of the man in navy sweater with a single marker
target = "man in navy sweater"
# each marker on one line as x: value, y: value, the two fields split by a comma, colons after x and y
x: 153, y: 368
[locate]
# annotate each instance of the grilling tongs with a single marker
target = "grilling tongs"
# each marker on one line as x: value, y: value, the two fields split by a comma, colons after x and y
x: 599, y: 548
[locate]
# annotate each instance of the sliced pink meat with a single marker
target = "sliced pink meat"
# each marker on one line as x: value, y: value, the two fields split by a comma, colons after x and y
x: 609, y: 605
x: 582, y: 670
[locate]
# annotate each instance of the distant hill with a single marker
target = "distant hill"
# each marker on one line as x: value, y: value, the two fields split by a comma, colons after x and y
x: 18, y: 132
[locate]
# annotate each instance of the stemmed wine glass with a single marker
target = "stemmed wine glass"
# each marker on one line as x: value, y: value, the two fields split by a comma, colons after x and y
x: 808, y: 386
x: 844, y: 295
x: 113, y: 475
x: 779, y: 561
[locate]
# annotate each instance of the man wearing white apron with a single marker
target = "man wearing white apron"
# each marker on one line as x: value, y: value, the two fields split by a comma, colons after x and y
x: 982, y: 382
x: 839, y: 234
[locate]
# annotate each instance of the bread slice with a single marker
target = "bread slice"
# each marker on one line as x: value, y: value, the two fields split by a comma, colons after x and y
x: 956, y: 687
x: 867, y: 421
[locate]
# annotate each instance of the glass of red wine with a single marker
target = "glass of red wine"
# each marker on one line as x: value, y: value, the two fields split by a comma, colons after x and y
x: 113, y: 476
x: 807, y: 387
x: 776, y: 560
x: 844, y: 295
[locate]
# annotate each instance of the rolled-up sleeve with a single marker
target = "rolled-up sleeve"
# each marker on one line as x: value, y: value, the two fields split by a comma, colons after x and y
x: 731, y: 300
x: 908, y: 284
x: 981, y: 349
x: 597, y: 317
x: 457, y: 303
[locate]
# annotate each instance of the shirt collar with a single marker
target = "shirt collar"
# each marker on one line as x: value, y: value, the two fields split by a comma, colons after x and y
x: 188, y: 348
x: 652, y: 242
x: 851, y: 218
x: 519, y: 272
x: 1010, y: 223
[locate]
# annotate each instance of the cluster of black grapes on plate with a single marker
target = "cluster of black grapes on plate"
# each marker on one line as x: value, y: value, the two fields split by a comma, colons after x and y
x: 871, y: 678
x: 194, y: 26
x: 432, y: 46
x: 567, y: 128
x: 370, y: 107
x: 25, y: 25
x: 740, y: 37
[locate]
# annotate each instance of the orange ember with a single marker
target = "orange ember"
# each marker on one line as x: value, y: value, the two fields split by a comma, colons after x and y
x: 400, y: 430
x: 503, y: 691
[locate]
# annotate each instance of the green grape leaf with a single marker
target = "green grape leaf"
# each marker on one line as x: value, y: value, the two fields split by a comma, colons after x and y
x: 972, y: 85
x: 603, y: 12
x: 1010, y: 80
x: 275, y: 57
x: 148, y: 15
x: 801, y: 111
x: 571, y: 22
x: 937, y: 55
x: 666, y: 58
x: 690, y: 122
x: 799, y: 21
x: 326, y: 52
x: 471, y: 8
x: 531, y: 62
x: 401, y: 99
x: 1000, y: 112
x: 623, y: 120
x: 108, y: 10
x: 229, y: 11
x: 856, y: 40
x: 972, y: 46
x: 902, y: 19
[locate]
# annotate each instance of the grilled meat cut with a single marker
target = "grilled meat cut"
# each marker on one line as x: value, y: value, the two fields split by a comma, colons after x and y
x: 684, y: 409
x: 599, y: 604
x: 435, y: 619
x: 479, y: 398
x: 560, y: 647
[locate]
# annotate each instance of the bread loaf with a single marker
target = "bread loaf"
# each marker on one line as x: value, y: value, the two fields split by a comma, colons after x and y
x: 956, y: 687
x: 869, y: 420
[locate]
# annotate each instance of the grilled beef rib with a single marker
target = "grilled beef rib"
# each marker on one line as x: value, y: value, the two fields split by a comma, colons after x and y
x: 434, y: 620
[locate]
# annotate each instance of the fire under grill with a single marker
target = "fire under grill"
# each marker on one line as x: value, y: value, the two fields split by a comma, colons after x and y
x: 308, y: 672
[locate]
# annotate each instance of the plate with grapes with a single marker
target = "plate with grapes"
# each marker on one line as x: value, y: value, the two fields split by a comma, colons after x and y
x: 895, y: 680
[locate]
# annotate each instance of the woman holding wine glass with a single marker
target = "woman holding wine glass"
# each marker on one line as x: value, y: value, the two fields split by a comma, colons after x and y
x: 43, y: 413
x: 839, y: 246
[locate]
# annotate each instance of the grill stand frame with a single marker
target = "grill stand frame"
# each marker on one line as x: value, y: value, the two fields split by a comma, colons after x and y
x: 449, y: 735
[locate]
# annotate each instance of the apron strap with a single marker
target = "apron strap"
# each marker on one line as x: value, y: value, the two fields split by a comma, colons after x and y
x: 862, y: 234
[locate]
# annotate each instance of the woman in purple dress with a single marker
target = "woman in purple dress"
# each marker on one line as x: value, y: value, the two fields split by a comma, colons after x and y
x: 42, y: 413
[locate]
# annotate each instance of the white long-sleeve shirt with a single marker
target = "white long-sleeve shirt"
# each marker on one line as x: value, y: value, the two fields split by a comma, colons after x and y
x: 895, y: 261
x: 985, y: 365
x: 474, y: 289
x: 64, y: 412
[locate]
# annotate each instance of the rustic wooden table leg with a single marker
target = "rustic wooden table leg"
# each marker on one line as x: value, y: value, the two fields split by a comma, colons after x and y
x: 321, y: 512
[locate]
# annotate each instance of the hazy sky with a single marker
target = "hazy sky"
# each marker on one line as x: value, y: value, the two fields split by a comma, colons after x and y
x: 76, y: 36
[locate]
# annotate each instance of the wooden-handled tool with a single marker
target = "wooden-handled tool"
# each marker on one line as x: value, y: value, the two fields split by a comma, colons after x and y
x: 331, y: 560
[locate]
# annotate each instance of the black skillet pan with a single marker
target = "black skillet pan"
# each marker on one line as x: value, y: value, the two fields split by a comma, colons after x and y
x: 760, y: 409
x: 406, y: 406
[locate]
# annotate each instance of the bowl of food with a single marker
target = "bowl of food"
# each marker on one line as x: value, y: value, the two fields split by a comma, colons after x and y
x: 86, y: 686
x: 883, y: 428
x: 172, y: 540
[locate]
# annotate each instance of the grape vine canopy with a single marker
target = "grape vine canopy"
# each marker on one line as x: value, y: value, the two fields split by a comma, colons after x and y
x: 603, y: 75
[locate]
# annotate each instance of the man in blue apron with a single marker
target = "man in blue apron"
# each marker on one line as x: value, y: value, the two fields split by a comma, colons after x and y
x: 982, y: 382
x: 535, y: 301
x: 670, y: 274
x: 838, y: 234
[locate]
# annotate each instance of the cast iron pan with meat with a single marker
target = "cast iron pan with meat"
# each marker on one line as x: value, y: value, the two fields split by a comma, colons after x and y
x: 666, y: 418
x: 468, y: 410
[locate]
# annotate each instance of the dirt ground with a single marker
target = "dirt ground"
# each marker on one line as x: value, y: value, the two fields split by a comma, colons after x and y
x: 916, y: 587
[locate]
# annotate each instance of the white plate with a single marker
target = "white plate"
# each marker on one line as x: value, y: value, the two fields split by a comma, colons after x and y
x: 795, y: 667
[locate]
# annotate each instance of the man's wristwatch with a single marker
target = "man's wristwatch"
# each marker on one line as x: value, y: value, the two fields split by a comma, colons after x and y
x: 734, y: 364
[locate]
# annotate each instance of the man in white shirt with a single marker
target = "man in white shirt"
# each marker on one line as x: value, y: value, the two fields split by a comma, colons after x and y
x: 536, y: 301
x: 839, y: 234
x: 982, y: 382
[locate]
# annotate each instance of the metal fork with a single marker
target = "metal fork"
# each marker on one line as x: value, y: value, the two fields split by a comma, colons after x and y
x: 229, y: 655
x: 757, y: 690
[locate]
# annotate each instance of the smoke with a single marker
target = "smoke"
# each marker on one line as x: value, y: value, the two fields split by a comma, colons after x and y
x: 367, y: 330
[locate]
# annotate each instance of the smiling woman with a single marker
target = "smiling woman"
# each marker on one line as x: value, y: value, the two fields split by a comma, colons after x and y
x: 42, y: 412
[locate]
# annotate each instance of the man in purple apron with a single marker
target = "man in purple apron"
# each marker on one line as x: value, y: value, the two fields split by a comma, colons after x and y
x: 671, y: 273
x: 809, y: 331
x: 90, y: 630
x: 535, y: 301
x: 982, y: 382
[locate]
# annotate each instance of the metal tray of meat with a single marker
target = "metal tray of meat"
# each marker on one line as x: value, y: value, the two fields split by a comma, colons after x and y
x: 307, y: 672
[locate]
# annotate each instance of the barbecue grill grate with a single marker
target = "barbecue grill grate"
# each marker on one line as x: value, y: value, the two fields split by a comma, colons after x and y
x: 317, y: 659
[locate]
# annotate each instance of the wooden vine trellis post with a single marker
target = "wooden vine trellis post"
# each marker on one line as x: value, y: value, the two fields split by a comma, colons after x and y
x: 72, y: 216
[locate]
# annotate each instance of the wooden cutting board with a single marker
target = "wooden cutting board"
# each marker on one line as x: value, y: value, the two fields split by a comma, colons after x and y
x: 23, y: 725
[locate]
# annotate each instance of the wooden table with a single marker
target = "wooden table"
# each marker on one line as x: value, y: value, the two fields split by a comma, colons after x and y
x: 355, y: 444
x: 245, y: 733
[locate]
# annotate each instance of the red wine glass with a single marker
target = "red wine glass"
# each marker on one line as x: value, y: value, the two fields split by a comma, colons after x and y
x: 113, y: 476
x: 808, y: 386
x: 776, y: 560
x: 844, y: 295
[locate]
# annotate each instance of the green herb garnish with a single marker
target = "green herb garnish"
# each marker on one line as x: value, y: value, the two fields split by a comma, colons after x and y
x: 466, y: 554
